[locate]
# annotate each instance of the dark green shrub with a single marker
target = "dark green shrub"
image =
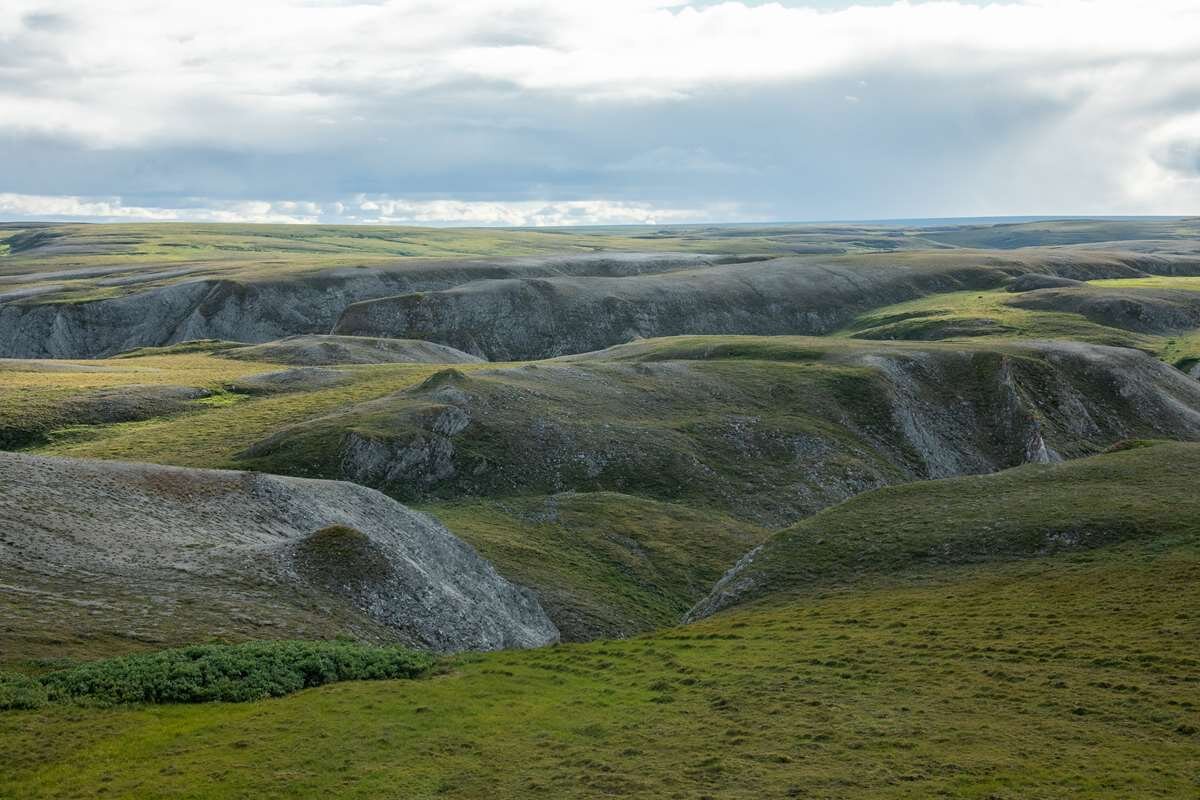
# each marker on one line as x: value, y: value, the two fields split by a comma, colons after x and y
x: 20, y: 692
x: 229, y: 673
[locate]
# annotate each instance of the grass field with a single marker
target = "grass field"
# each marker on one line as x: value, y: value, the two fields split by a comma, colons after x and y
x: 1073, y: 676
x: 956, y: 315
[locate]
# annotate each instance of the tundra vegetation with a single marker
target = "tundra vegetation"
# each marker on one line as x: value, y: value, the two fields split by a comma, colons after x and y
x: 807, y: 511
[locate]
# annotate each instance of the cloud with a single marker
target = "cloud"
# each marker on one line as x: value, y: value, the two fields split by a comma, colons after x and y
x: 372, y: 210
x: 776, y: 109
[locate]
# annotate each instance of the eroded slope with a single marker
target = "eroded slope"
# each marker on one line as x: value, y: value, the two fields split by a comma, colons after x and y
x: 96, y: 550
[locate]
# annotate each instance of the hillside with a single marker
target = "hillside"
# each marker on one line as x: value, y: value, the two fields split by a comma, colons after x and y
x: 1036, y: 510
x: 82, y: 291
x: 956, y: 685
x: 104, y: 555
x: 787, y: 426
x: 598, y: 480
x: 544, y: 317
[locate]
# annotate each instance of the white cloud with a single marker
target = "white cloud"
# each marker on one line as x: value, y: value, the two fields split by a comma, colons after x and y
x: 576, y: 99
x: 376, y: 210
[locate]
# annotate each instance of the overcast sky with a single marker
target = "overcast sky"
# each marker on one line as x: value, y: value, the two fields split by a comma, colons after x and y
x: 528, y: 112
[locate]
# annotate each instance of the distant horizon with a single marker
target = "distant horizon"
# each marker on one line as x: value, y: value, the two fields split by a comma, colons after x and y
x: 897, y: 221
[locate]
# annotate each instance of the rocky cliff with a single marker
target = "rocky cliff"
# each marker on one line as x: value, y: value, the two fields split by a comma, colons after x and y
x: 531, y: 318
x: 257, y: 309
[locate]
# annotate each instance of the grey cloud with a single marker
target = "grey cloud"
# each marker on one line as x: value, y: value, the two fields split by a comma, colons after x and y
x: 46, y: 21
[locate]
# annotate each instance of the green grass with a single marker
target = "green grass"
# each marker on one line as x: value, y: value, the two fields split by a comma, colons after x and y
x: 957, y: 315
x: 1186, y: 282
x: 212, y: 673
x: 42, y: 401
x: 987, y: 315
x: 603, y: 564
x: 1065, y: 677
x: 1136, y: 492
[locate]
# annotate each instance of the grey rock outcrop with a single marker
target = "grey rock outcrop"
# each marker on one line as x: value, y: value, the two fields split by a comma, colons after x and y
x: 262, y: 309
x: 167, y: 554
x: 530, y: 318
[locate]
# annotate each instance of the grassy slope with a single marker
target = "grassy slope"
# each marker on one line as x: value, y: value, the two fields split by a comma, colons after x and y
x: 1066, y: 232
x: 608, y: 564
x: 645, y: 540
x: 955, y: 315
x: 982, y: 683
x: 1143, y: 492
x: 210, y: 435
x: 973, y: 314
x: 604, y: 564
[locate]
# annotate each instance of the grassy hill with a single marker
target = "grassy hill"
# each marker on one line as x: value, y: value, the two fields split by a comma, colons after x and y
x: 958, y: 685
x: 619, y: 485
x: 1136, y: 493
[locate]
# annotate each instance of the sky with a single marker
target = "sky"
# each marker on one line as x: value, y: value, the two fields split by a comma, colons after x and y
x: 573, y: 112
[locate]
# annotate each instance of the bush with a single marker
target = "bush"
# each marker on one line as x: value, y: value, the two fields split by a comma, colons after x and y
x: 207, y: 673
x: 20, y: 692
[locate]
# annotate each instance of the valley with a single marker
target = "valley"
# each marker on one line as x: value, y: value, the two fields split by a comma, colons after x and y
x: 837, y: 510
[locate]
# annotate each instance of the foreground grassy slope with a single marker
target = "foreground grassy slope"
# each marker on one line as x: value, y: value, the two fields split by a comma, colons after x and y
x: 1071, y: 676
x: 1138, y: 493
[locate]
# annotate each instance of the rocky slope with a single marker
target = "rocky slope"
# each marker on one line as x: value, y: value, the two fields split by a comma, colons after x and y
x: 165, y: 554
x: 531, y: 318
x: 769, y: 429
x: 261, y: 309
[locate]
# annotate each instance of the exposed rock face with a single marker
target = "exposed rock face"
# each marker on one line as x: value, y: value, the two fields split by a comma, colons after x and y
x: 770, y: 443
x: 518, y: 319
x: 266, y: 309
x: 316, y: 350
x: 119, y: 548
x: 1134, y: 309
